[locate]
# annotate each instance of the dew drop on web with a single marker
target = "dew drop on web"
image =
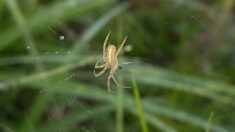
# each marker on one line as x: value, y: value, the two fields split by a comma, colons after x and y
x: 61, y: 37
x: 128, y: 48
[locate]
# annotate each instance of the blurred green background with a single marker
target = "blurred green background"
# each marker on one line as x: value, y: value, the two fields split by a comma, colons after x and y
x: 182, y: 75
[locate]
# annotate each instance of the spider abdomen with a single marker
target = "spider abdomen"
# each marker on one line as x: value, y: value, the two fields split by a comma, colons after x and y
x: 111, y: 54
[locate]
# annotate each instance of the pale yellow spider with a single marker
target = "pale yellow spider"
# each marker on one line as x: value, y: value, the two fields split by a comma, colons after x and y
x: 110, y: 57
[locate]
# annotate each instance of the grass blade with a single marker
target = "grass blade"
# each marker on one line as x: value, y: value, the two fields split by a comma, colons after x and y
x: 210, y: 121
x: 18, y: 16
x: 44, y: 74
x: 139, y: 105
x: 120, y: 92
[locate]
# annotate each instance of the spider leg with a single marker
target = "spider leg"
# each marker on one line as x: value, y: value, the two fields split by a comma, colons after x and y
x: 100, y: 73
x: 99, y: 66
x: 105, y: 43
x: 120, y: 48
x: 108, y: 83
x: 119, y: 85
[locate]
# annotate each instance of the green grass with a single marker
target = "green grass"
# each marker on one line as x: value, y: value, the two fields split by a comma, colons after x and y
x: 182, y: 75
x: 209, y: 121
x: 120, y: 92
x: 139, y: 105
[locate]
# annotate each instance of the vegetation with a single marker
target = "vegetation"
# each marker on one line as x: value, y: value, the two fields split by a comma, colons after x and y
x: 182, y: 75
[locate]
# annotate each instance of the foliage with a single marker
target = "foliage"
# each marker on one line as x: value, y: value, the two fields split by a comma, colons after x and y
x: 182, y: 72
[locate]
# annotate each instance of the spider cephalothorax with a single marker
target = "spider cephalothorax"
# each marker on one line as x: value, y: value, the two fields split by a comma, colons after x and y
x: 110, y: 57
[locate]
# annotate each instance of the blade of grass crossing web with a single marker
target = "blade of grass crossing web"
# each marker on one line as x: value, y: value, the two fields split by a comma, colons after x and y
x: 59, y: 59
x: 210, y: 121
x: 45, y: 74
x: 120, y: 96
x: 139, y: 105
x: 19, y: 18
x: 119, y: 110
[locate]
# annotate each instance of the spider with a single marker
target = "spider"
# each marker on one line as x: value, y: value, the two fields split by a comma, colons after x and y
x: 110, y: 57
